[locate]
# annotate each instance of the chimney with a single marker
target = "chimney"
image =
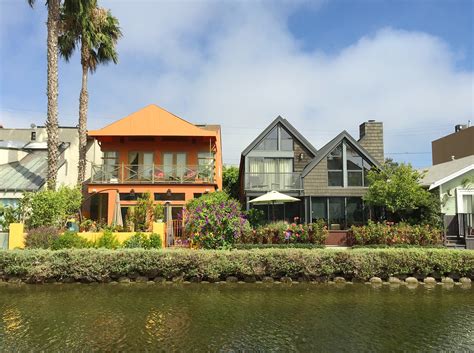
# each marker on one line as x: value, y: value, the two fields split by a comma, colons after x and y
x: 371, y: 138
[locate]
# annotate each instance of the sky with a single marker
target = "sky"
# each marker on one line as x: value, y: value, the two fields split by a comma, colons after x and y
x: 324, y: 65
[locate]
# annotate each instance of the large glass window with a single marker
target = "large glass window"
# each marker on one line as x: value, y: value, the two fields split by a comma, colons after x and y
x: 286, y: 140
x: 111, y: 168
x: 270, y: 173
x: 278, y: 139
x: 335, y: 167
x: 141, y: 165
x: 337, y: 217
x: 346, y: 167
x: 270, y: 142
x: 339, y: 212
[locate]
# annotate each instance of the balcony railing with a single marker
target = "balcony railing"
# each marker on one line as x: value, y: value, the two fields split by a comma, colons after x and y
x: 273, y: 181
x: 152, y: 174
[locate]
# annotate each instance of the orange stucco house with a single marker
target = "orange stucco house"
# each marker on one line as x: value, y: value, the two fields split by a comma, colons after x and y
x: 155, y: 151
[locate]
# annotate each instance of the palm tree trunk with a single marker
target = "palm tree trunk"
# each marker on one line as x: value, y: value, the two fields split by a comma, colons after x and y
x: 83, y: 102
x: 52, y: 93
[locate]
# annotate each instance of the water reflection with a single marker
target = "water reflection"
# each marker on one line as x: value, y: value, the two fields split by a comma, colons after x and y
x: 303, y: 317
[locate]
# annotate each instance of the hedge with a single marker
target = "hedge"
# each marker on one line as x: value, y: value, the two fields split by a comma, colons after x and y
x: 102, y: 265
x: 278, y: 246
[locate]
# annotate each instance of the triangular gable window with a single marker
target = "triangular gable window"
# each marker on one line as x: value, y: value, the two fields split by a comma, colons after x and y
x: 278, y: 139
x: 347, y: 167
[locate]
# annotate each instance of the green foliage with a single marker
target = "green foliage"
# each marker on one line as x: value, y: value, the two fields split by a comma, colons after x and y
x: 396, y: 188
x: 42, y: 237
x: 69, y: 240
x: 159, y: 212
x: 391, y: 234
x: 214, y: 221
x: 230, y: 181
x: 320, y: 264
x: 9, y: 214
x: 140, y: 240
x: 50, y: 207
x: 107, y: 240
x: 143, y: 213
x: 284, y: 233
x: 278, y: 246
x: 255, y: 217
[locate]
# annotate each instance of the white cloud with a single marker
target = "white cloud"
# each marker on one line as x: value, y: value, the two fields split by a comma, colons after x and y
x: 237, y: 64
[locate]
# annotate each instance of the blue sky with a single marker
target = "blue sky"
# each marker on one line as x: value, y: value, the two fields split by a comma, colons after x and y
x: 324, y: 65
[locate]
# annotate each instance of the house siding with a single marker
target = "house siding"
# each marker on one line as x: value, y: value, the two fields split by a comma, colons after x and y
x: 298, y: 149
x: 316, y: 184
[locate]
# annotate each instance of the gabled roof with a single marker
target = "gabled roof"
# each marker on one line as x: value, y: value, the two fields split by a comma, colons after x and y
x: 291, y: 129
x: 442, y: 173
x: 327, y: 148
x: 152, y: 121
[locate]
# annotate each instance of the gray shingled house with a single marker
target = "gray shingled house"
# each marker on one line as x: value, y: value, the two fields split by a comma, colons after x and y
x: 330, y: 182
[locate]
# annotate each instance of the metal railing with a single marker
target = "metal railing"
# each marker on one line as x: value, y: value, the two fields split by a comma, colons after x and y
x: 273, y: 181
x: 151, y: 174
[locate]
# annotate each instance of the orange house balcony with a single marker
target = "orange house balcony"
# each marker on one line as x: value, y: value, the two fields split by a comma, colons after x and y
x: 152, y: 174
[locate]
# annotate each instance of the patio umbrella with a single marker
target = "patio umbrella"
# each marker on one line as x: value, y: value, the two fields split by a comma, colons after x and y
x: 272, y: 197
x: 118, y: 221
x: 169, y: 224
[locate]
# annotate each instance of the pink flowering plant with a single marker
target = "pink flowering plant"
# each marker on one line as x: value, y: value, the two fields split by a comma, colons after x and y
x: 214, y: 221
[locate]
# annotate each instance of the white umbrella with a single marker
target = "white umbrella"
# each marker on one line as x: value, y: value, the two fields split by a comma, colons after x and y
x: 273, y: 197
x: 118, y: 221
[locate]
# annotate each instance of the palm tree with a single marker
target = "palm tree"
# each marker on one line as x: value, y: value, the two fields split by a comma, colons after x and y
x: 97, y: 31
x: 52, y: 90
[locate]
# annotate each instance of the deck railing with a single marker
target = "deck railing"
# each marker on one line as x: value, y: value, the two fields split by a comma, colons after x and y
x: 273, y: 181
x: 151, y: 174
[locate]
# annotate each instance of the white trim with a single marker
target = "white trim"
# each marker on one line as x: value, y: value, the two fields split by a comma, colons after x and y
x: 459, y: 195
x: 451, y: 176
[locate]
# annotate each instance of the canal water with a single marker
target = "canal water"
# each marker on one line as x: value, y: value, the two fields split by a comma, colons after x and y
x: 235, y: 317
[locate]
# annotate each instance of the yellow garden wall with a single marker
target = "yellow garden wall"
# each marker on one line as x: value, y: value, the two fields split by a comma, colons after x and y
x: 17, y: 236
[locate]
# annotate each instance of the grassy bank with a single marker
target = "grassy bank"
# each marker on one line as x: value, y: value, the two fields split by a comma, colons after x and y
x: 88, y: 265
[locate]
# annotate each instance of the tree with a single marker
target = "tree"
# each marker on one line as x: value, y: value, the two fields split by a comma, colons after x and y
x: 230, y: 181
x: 397, y: 189
x: 97, y: 31
x: 52, y: 90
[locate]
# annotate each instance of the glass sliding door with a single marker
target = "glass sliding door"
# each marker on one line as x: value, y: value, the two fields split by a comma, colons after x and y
x: 140, y: 165
x: 168, y: 165
x: 206, y: 166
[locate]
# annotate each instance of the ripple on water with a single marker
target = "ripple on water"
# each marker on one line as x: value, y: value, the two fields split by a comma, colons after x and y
x: 238, y: 317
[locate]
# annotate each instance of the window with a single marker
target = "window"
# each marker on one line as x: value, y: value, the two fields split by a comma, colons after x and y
x: 346, y: 167
x: 174, y: 165
x: 206, y: 165
x: 175, y: 196
x: 339, y: 212
x: 335, y: 167
x: 270, y: 142
x: 33, y: 135
x: 319, y: 208
x: 110, y: 160
x: 270, y: 173
x: 278, y: 139
x: 141, y: 165
x: 286, y: 141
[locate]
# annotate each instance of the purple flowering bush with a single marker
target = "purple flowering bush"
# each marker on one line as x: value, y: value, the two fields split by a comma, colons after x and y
x: 214, y: 221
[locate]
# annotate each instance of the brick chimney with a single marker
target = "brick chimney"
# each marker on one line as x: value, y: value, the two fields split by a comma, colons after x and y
x: 371, y: 138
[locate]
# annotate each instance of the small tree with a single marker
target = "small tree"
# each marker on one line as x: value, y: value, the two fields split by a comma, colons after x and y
x: 397, y: 189
x: 230, y: 181
x: 49, y: 207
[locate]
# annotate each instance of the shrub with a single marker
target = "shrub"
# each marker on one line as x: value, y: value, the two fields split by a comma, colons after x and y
x: 140, y: 240
x: 391, y: 234
x: 278, y: 246
x: 255, y: 217
x: 318, y: 264
x: 214, y: 221
x: 69, y: 240
x: 282, y: 232
x: 107, y: 240
x: 42, y: 237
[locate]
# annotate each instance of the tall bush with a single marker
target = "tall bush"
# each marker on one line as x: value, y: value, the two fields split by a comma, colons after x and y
x: 214, y: 220
x: 69, y: 240
x: 140, y: 240
x: 50, y: 207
